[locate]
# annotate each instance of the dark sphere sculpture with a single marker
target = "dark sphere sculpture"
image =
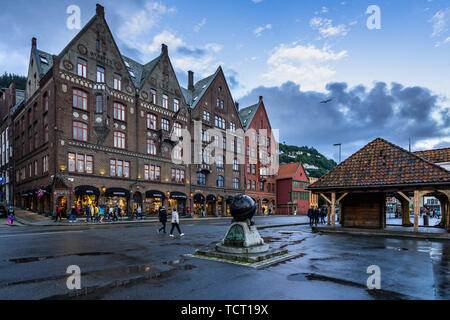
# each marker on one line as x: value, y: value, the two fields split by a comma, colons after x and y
x: 242, y: 208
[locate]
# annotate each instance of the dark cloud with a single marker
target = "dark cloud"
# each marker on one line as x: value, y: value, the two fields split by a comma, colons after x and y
x: 232, y: 76
x: 354, y: 117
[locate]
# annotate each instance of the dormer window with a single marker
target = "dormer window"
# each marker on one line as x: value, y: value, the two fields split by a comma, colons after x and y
x: 43, y: 59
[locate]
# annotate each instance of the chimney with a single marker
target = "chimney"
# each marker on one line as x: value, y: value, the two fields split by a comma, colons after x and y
x: 237, y: 105
x: 260, y: 98
x: 100, y: 10
x: 164, y: 49
x: 34, y: 42
x: 190, y: 80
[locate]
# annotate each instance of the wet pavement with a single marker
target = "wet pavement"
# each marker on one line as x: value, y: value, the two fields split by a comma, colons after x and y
x: 134, y: 262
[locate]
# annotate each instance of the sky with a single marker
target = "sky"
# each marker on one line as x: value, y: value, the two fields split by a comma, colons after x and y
x: 386, y: 71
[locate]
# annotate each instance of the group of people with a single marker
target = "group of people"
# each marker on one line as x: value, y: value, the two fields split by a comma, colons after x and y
x: 317, y: 216
x: 95, y: 213
x: 163, y: 217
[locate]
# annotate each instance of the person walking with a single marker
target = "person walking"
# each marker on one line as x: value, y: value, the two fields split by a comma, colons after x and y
x: 58, y: 213
x: 11, y: 216
x: 175, y: 223
x: 73, y: 215
x: 101, y: 213
x: 311, y: 216
x: 162, y: 219
x: 88, y: 213
x: 323, y: 214
x: 316, y: 216
x: 139, y: 213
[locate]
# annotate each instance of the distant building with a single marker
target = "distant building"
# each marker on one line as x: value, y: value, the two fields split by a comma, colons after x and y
x: 292, y: 195
x: 313, y: 198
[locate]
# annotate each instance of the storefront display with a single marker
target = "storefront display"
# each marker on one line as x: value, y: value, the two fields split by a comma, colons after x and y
x: 86, y: 196
x: 153, y: 201
x: 177, y: 200
x: 117, y: 197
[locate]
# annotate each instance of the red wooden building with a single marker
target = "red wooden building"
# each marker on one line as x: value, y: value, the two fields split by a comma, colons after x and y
x: 292, y: 195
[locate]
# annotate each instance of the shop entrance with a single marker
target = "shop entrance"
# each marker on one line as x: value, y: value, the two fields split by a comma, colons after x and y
x: 86, y: 196
x: 117, y: 197
x: 220, y: 206
x: 153, y: 201
x: 211, y: 205
x: 62, y: 203
x: 265, y: 206
x: 137, y: 201
x: 177, y: 200
x: 199, y: 205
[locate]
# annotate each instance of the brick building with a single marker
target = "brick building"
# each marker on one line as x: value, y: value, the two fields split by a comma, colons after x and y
x: 98, y: 127
x: 292, y: 195
x: 261, y: 161
x: 215, y: 124
x: 10, y: 99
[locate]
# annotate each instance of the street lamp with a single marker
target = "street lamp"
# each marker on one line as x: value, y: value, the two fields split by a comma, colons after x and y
x: 340, y: 150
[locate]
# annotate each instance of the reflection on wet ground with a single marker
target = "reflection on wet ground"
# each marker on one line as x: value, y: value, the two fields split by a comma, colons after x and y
x: 34, y: 259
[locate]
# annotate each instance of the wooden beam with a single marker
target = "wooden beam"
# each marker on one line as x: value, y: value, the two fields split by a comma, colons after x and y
x: 342, y: 197
x: 404, y: 196
x: 417, y: 198
x: 323, y: 196
x: 333, y: 209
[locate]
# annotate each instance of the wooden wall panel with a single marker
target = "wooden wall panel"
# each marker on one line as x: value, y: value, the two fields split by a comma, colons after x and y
x: 363, y: 210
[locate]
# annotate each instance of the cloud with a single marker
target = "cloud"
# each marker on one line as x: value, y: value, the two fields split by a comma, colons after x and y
x: 355, y: 116
x: 440, y: 22
x: 257, y: 1
x: 305, y: 65
x: 200, y: 25
x: 326, y: 28
x: 259, y: 30
x: 12, y: 60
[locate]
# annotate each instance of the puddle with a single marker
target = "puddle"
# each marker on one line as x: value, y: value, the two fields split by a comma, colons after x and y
x: 270, y: 239
x: 35, y: 259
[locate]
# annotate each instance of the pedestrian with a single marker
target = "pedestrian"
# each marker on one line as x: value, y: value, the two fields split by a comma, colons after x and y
x: 323, y: 214
x: 110, y: 213
x: 311, y: 216
x: 316, y: 216
x: 119, y: 213
x: 88, y: 213
x: 73, y: 214
x: 101, y: 213
x: 58, y: 213
x: 11, y: 216
x: 162, y: 219
x: 175, y: 223
x: 139, y: 212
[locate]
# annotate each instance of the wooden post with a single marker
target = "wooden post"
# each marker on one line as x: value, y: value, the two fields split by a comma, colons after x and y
x: 333, y: 209
x: 328, y: 215
x: 417, y: 198
x: 445, y: 209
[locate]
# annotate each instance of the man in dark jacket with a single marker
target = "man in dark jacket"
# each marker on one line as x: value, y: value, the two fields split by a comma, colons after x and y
x: 162, y: 219
x: 316, y: 216
x: 311, y: 216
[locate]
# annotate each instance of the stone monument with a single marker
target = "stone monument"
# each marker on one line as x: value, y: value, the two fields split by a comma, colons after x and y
x: 242, y: 236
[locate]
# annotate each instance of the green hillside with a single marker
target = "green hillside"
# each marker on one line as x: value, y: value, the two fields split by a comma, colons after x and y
x: 316, y: 164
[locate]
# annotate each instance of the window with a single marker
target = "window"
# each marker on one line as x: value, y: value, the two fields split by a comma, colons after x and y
x: 80, y: 131
x: 119, y: 140
x: 36, y: 140
x: 30, y: 170
x: 119, y: 111
x: 80, y: 99
x: 46, y: 133
x: 151, y: 147
x: 165, y: 124
x: 35, y: 168
x: 119, y: 168
x: 221, y: 104
x: 206, y: 155
x: 219, y: 162
x: 178, y: 175
x: 30, y: 117
x: 35, y: 112
x: 30, y: 143
x: 80, y: 163
x: 89, y: 164
x: 239, y: 148
x: 45, y: 164
x: 249, y: 185
x: 82, y: 68
x: 176, y: 105
x: 224, y: 143
x: 235, y: 183
x: 253, y: 168
x: 165, y: 101
x: 254, y: 185
x: 152, y: 173
x: 117, y: 82
x: 206, y: 116
x: 177, y: 129
x: 232, y: 126
x: 99, y: 104
x: 201, y: 179
x: 178, y: 153
x: 235, y: 165
x: 45, y: 102
x: 153, y: 96
x: 151, y: 121
x: 261, y: 186
x: 100, y: 75
x: 219, y: 181
x: 220, y: 122
x: 218, y: 103
x: 249, y: 168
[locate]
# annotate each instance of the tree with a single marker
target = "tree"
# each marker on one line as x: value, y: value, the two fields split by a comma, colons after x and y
x: 6, y: 79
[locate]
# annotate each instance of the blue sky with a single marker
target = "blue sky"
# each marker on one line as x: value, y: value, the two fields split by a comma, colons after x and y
x: 291, y: 52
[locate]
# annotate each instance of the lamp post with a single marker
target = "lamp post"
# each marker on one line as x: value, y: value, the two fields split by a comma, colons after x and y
x: 340, y: 150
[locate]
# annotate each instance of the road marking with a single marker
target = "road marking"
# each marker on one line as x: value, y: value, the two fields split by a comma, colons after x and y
x: 38, y: 234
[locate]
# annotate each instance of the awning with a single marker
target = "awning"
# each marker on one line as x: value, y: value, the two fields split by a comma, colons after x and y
x: 87, y: 190
x: 155, y: 194
x: 199, y: 198
x: 265, y: 201
x: 117, y: 192
x: 178, y: 196
x: 211, y: 198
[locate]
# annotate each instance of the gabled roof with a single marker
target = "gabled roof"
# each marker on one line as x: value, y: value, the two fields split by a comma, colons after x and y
x: 200, y: 88
x: 247, y: 114
x: 435, y: 156
x: 288, y: 171
x: 382, y: 164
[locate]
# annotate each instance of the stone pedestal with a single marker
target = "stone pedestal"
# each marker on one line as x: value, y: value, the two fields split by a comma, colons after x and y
x: 244, y: 238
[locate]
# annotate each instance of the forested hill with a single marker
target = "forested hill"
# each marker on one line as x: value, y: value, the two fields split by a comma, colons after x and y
x: 6, y: 79
x: 315, y: 164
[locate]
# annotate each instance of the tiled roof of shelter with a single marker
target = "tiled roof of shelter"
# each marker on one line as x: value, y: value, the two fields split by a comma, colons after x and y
x: 435, y: 156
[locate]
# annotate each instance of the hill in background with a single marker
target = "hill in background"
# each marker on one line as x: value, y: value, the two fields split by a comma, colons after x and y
x: 6, y: 79
x: 315, y: 164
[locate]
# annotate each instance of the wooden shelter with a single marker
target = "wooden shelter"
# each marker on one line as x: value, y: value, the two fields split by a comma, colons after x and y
x: 360, y: 185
